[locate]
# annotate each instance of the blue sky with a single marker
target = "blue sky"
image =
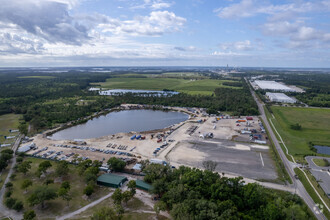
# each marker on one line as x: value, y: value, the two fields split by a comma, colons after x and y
x: 165, y: 32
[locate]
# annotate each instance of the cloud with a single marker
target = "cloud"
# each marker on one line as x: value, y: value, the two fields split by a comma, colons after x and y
x: 250, y: 8
x: 237, y: 46
x: 11, y: 43
x: 185, y: 49
x: 156, y: 24
x: 153, y: 4
x: 49, y: 20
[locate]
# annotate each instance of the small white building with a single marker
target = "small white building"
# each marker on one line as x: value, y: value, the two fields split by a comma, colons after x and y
x: 26, y: 148
x: 94, y: 89
x: 279, y: 97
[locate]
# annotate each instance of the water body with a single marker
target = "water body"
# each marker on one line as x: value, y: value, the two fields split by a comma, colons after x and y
x: 122, y: 121
x: 322, y: 149
x: 116, y: 92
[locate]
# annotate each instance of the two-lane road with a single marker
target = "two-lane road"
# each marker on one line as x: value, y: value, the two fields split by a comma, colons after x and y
x: 289, y: 166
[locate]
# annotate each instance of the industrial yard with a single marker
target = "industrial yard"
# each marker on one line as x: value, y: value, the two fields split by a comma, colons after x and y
x: 232, y: 142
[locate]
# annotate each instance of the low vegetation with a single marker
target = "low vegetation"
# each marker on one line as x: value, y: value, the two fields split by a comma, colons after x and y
x: 314, y: 128
x: 321, y: 162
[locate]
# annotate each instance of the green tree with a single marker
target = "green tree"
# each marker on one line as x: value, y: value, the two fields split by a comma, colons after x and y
x: 18, y: 206
x: 159, y: 206
x: 23, y: 128
x: 104, y: 213
x: 88, y: 191
x: 26, y: 184
x: 24, y: 167
x: 29, y: 215
x: 90, y: 174
x: 296, y: 126
x: 66, y: 185
x: 159, y: 187
x: 117, y: 196
x: 42, y: 194
x: 48, y: 181
x: 116, y: 164
x: 62, y: 168
x: 64, y: 194
x: 10, y: 202
x: 126, y: 196
x: 44, y: 166
x: 9, y: 185
x: 131, y: 185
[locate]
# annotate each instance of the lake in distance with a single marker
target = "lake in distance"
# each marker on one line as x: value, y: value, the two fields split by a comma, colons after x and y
x: 122, y: 121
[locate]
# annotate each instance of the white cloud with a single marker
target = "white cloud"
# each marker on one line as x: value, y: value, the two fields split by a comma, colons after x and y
x: 249, y: 8
x: 49, y: 20
x: 153, y: 4
x: 157, y: 23
x: 237, y: 46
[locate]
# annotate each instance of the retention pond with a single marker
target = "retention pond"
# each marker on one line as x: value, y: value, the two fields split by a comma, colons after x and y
x: 122, y: 121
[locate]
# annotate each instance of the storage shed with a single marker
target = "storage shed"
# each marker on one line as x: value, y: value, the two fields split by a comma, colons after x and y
x: 143, y: 185
x: 111, y: 180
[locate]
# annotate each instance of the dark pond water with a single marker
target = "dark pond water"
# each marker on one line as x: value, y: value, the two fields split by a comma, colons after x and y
x: 123, y: 121
x: 322, y: 149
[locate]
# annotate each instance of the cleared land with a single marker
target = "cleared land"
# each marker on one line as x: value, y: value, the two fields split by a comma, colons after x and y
x: 7, y: 122
x: 193, y: 87
x: 315, y: 128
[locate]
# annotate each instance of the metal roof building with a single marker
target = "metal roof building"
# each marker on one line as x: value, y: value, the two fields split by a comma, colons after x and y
x: 111, y: 180
x: 279, y: 97
x: 26, y: 148
x: 143, y: 185
x: 272, y: 85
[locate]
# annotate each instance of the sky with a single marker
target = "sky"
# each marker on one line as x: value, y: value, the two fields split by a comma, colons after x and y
x: 243, y: 33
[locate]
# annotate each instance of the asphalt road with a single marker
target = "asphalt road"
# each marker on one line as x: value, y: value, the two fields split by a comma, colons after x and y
x: 3, y: 209
x: 321, y: 174
x: 300, y: 189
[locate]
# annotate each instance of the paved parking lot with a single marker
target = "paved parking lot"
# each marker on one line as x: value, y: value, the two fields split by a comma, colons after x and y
x: 251, y: 161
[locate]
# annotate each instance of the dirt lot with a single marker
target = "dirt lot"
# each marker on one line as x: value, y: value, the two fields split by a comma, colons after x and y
x: 187, y: 143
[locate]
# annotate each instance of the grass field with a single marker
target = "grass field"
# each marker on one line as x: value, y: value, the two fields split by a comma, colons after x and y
x: 315, y: 128
x: 7, y: 122
x: 36, y: 77
x: 193, y: 87
x: 321, y: 162
x: 57, y: 206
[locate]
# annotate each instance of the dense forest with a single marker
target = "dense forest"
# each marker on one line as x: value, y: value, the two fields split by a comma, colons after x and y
x: 190, y: 193
x: 47, y: 99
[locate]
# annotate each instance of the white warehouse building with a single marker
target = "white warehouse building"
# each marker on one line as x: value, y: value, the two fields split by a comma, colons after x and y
x: 273, y: 85
x: 279, y: 97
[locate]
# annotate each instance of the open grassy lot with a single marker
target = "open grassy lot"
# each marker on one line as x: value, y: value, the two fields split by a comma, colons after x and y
x: 58, y: 206
x: 321, y: 162
x: 315, y: 128
x: 193, y: 87
x: 8, y: 121
x: 37, y: 77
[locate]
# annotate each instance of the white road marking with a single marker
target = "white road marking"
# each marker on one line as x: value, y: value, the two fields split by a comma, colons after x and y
x: 262, y: 160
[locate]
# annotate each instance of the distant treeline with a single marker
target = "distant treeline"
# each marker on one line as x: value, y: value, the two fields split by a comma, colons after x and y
x: 47, y: 101
x: 237, y: 101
